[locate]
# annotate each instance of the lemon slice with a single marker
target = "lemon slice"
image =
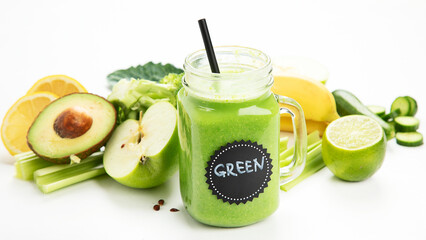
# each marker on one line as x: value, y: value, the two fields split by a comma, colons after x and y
x: 60, y: 85
x: 19, y: 118
x: 354, y: 147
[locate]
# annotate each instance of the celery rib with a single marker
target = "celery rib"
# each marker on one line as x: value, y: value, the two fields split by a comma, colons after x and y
x: 50, y: 177
x: 59, y: 176
x: 312, y: 138
x: 283, y: 143
x: 27, y: 163
x: 48, y: 187
x: 24, y: 155
x: 287, y: 160
x: 314, y: 163
x: 58, y: 172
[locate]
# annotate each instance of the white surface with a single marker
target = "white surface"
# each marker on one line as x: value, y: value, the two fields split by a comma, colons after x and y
x: 375, y: 49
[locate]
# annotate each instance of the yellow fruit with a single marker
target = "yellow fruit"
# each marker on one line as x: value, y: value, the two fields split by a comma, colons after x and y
x: 299, y: 66
x: 317, y: 102
x: 19, y: 118
x: 311, y: 125
x: 60, y: 85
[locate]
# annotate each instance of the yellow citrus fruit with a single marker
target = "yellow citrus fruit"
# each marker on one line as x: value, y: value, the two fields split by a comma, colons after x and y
x: 19, y: 118
x: 60, y: 85
x: 353, y: 147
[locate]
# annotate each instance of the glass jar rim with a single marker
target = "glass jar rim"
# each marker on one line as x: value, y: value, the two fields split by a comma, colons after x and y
x: 226, y: 48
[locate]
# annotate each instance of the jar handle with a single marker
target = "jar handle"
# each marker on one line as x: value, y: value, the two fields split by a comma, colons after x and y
x: 295, y: 168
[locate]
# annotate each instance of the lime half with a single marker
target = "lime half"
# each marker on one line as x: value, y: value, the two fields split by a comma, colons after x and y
x: 354, y: 147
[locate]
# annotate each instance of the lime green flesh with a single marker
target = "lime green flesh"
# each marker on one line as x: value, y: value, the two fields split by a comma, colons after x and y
x: 354, y: 147
x: 354, y: 132
x: 47, y: 143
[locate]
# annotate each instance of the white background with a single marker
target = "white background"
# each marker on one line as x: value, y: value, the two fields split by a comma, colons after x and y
x: 375, y: 49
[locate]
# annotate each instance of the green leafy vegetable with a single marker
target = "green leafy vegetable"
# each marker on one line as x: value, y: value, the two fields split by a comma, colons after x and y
x: 150, y: 71
x: 129, y: 97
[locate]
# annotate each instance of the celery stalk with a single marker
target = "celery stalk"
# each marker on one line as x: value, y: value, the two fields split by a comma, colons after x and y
x: 18, y: 172
x: 27, y: 163
x: 312, y: 138
x: 314, y: 163
x: 283, y: 143
x: 58, y: 172
x: 287, y: 160
x: 24, y: 155
x: 83, y: 175
x: 59, y: 176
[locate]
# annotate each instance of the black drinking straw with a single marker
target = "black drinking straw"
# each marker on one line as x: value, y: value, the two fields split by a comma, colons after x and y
x: 208, y: 45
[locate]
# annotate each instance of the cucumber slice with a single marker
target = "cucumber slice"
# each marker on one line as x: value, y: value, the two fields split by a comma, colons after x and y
x: 413, y: 106
x: 406, y: 124
x: 393, y: 114
x: 409, y: 139
x: 378, y: 110
x: 403, y: 104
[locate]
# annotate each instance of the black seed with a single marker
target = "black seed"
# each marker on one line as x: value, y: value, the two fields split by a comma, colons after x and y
x: 161, y: 202
x: 174, y: 210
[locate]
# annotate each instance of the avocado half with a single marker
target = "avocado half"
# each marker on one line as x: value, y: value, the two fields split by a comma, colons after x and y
x: 76, y: 124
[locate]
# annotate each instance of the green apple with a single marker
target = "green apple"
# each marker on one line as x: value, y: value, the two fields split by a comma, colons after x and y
x: 144, y: 153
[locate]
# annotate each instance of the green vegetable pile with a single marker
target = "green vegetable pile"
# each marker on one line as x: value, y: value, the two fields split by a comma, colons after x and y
x: 150, y: 71
x: 142, y: 86
x: 137, y: 88
x: 399, y: 122
x: 133, y: 90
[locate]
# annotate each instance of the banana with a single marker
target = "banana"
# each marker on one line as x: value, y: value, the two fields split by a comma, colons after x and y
x: 311, y: 125
x: 316, y: 101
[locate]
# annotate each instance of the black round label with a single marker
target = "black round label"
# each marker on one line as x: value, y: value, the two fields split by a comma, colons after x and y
x: 238, y: 172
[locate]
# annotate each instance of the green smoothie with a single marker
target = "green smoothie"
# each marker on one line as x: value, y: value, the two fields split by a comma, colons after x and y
x: 206, y: 125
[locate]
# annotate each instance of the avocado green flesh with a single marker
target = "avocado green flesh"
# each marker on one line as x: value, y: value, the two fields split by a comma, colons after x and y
x: 45, y: 141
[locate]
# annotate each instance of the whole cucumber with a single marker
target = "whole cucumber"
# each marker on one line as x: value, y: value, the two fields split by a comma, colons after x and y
x: 348, y: 104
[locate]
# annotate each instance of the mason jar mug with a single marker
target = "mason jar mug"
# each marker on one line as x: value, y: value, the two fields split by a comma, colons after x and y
x: 228, y: 125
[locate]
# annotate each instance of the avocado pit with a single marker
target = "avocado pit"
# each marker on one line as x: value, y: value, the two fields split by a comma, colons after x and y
x: 72, y: 122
